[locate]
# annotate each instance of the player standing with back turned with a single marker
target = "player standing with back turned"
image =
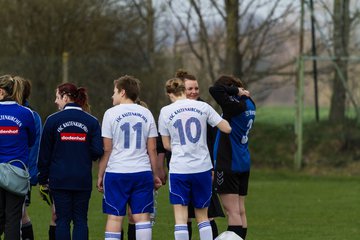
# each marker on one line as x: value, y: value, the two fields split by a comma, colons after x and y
x: 126, y: 170
x: 182, y: 126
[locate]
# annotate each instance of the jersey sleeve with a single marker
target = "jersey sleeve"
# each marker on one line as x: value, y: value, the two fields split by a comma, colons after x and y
x: 34, y: 151
x: 106, y: 127
x: 153, y: 130
x: 213, y: 118
x: 163, y: 130
x: 226, y: 97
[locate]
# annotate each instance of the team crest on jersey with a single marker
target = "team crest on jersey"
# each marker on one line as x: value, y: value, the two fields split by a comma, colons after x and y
x: 6, y: 130
x: 73, y: 137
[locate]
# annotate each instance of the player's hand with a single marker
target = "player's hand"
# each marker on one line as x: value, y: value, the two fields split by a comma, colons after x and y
x: 99, y: 185
x: 157, y: 182
x: 243, y: 92
x: 45, y: 194
x: 163, y: 176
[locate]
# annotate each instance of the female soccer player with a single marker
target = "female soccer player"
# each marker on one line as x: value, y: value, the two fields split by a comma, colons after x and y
x: 71, y: 140
x: 182, y: 126
x: 26, y: 225
x: 126, y: 171
x: 17, y: 134
x: 192, y: 91
x: 231, y: 152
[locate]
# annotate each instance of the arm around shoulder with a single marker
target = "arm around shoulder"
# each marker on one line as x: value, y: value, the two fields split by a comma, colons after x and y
x: 224, y: 126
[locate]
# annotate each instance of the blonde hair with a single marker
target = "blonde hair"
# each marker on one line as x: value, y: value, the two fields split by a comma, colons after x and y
x: 175, y: 86
x: 13, y: 87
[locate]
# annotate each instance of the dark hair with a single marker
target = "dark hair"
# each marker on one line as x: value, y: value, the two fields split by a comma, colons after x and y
x: 184, y: 75
x: 78, y: 95
x: 130, y: 84
x: 26, y: 90
x: 13, y: 87
x: 229, y: 80
x: 175, y: 86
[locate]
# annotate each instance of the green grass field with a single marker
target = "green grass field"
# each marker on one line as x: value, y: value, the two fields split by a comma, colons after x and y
x: 281, y: 205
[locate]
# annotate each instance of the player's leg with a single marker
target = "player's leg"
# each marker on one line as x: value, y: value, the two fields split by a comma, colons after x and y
x: 191, y: 215
x: 243, y: 215
x: 64, y: 212
x: 80, y: 211
x: 27, y: 232
x: 141, y: 204
x: 26, y: 226
x: 179, y: 186
x: 48, y: 198
x: 13, y: 214
x: 201, y: 196
x: 215, y: 210
x: 117, y: 188
x: 52, y: 226
x: 243, y: 190
x: 131, y: 232
x: 2, y: 211
x: 227, y: 186
x: 181, y: 216
x: 113, y: 227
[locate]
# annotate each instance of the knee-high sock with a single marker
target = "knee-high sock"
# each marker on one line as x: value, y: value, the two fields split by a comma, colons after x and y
x: 27, y: 232
x: 189, y: 229
x: 52, y: 232
x: 205, y: 231
x: 143, y: 230
x: 181, y: 232
x: 214, y: 228
x: 112, y: 235
x: 236, y: 229
x: 131, y: 232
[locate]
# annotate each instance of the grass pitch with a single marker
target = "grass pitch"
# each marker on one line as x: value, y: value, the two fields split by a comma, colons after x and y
x: 281, y: 205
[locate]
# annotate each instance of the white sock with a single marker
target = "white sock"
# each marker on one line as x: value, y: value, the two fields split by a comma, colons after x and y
x: 181, y: 232
x: 112, y: 235
x: 205, y: 230
x: 143, y: 231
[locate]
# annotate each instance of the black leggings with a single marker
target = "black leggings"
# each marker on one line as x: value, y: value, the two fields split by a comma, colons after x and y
x: 11, y: 207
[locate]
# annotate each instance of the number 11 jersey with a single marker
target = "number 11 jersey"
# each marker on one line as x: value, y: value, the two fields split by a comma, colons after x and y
x: 129, y: 126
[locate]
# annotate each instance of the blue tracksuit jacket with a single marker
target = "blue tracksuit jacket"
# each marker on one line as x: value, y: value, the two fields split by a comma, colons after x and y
x: 17, y: 132
x: 71, y: 140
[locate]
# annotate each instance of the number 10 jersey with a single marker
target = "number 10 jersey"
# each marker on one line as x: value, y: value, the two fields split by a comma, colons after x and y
x: 185, y: 122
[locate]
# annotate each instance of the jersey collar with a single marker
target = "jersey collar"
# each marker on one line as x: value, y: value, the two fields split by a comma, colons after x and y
x: 72, y: 106
x: 8, y: 102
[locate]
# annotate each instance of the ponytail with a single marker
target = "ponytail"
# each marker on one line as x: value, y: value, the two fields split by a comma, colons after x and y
x: 13, y: 87
x: 77, y: 95
x: 82, y: 99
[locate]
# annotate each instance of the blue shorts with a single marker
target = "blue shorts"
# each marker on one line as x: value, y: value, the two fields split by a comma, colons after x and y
x: 135, y: 189
x: 195, y: 188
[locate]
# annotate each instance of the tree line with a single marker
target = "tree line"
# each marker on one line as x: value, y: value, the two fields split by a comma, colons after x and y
x: 254, y: 40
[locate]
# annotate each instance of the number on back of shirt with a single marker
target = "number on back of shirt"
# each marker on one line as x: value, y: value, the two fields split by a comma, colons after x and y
x: 245, y: 138
x: 137, y: 128
x: 185, y: 132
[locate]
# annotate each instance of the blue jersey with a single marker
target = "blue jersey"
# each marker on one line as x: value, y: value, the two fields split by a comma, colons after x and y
x: 231, y: 152
x: 17, y: 132
x: 71, y: 140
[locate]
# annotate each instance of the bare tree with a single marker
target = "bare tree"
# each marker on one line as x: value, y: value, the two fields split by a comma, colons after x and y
x: 341, y: 42
x: 253, y: 46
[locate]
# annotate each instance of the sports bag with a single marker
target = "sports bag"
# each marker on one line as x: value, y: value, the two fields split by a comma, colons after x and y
x: 14, y: 179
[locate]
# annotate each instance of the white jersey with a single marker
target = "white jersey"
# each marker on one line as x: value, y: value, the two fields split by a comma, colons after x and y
x: 185, y: 122
x: 129, y: 126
